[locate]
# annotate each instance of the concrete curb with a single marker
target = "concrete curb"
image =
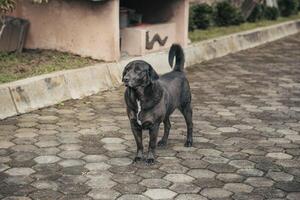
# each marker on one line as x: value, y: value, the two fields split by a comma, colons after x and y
x: 37, y: 92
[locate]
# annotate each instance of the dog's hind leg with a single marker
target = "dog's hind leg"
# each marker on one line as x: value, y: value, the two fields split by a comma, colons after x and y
x: 153, y: 133
x: 187, y: 112
x: 137, y: 133
x: 167, y: 127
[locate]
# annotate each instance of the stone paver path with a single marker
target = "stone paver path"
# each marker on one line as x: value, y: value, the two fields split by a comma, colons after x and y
x: 247, y: 141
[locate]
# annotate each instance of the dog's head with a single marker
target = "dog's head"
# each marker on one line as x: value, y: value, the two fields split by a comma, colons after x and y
x: 138, y: 73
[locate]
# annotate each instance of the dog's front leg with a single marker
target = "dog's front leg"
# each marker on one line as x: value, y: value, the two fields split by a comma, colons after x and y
x: 153, y: 132
x: 137, y: 133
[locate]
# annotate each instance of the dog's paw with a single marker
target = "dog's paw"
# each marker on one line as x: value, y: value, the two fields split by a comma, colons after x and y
x: 162, y: 143
x: 188, y: 143
x: 137, y: 159
x: 150, y: 161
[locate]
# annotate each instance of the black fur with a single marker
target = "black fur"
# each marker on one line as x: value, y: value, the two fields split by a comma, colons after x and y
x: 159, y: 96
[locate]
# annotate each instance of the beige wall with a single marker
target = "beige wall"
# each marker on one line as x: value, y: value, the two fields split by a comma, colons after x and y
x: 80, y: 27
x: 133, y: 38
x: 180, y: 15
x: 158, y: 11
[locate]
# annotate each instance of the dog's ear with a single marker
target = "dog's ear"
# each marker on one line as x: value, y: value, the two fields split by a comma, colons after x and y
x: 125, y: 71
x: 152, y: 73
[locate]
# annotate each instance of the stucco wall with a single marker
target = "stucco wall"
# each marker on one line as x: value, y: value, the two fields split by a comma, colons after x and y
x: 81, y: 27
x: 158, y: 11
x: 180, y: 15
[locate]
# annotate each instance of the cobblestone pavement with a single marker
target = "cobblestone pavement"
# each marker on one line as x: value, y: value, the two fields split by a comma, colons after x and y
x: 247, y: 141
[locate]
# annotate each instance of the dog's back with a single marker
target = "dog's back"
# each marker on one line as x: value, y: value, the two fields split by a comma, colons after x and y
x: 175, y: 82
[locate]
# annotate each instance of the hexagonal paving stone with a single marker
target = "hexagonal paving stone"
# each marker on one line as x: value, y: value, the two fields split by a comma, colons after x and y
x: 71, y: 163
x: 242, y: 164
x: 185, y: 188
x: 291, y: 186
x: 70, y: 147
x: 150, y: 173
x: 243, y: 127
x: 97, y: 166
x: 94, y: 158
x: 115, y: 147
x: 190, y: 197
x: 209, y: 152
x: 238, y: 187
x: 201, y: 173
x: 6, y: 144
x: 120, y: 161
x: 109, y: 128
x: 20, y: 171
x: 287, y: 131
x: 50, y: 143
x: 293, y: 196
x: 18, y: 180
x: 279, y: 155
x: 216, y: 193
x: 230, y: 177
x: 101, y: 183
x: 221, y: 168
x: 103, y: 194
x: 173, y: 168
x: 44, y: 185
x: 280, y: 176
x: 3, y: 167
x: 112, y: 140
x: 179, y: 178
x: 130, y: 188
x: 46, y: 159
x: 293, y: 138
x: 16, y: 198
x: 155, y: 183
x: 71, y: 154
x: 26, y: 135
x: 215, y: 159
x: 133, y: 197
x: 259, y: 182
x: 160, y: 194
x: 126, y: 178
x: 195, y: 164
x: 250, y: 172
x: 227, y: 129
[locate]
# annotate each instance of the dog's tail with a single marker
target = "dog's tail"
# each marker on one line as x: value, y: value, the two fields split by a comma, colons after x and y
x: 176, y: 51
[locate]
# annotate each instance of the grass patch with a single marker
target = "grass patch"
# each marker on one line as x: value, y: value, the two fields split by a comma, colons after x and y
x: 15, y: 66
x: 213, y: 32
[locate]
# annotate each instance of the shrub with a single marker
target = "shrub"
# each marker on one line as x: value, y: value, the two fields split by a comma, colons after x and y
x: 6, y: 6
x: 271, y: 13
x: 256, y: 14
x: 202, y: 15
x: 288, y: 7
x: 225, y: 14
x: 191, y: 19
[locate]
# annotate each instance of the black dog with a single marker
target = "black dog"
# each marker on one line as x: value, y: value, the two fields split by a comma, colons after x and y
x: 151, y: 99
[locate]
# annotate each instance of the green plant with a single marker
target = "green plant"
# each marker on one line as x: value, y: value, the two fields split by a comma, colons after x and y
x: 288, y: 7
x: 191, y: 19
x: 271, y: 13
x: 256, y: 14
x: 225, y: 14
x: 202, y: 16
x: 7, y: 6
